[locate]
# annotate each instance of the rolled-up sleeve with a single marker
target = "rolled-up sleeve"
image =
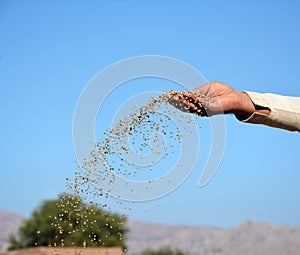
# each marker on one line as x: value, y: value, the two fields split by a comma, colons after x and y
x: 284, y: 111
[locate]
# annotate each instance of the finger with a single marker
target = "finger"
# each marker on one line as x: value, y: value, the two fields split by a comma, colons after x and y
x: 185, y: 103
x: 190, y: 94
x: 177, y: 102
x: 197, y: 100
x: 188, y: 103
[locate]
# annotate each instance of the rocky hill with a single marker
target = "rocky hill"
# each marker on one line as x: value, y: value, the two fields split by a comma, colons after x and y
x: 9, y: 224
x: 250, y: 238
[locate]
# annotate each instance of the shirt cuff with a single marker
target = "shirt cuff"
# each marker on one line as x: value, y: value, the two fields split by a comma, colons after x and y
x: 284, y: 111
x: 256, y: 117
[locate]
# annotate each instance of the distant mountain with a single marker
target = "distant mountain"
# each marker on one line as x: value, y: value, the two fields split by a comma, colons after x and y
x: 9, y: 224
x: 250, y: 238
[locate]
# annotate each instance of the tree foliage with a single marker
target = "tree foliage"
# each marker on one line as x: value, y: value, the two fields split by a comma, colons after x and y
x: 68, y: 221
x: 164, y: 251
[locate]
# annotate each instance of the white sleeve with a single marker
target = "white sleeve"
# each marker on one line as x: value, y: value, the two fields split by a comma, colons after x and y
x: 285, y: 111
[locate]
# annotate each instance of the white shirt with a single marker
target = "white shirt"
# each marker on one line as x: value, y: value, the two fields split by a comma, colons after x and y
x: 285, y: 111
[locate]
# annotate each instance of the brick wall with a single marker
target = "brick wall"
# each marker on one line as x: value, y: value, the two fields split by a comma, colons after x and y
x: 65, y: 251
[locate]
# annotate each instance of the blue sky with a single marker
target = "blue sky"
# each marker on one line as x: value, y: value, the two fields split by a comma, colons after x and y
x: 49, y: 51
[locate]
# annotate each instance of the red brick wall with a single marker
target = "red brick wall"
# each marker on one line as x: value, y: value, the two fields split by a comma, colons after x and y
x: 65, y: 251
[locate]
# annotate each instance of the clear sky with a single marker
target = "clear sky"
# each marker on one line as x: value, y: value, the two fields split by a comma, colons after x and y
x: 49, y: 50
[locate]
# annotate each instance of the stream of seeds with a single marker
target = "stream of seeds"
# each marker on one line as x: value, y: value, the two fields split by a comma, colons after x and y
x: 110, y: 157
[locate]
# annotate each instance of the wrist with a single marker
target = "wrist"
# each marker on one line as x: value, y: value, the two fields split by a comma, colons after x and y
x: 247, y: 107
x: 244, y: 106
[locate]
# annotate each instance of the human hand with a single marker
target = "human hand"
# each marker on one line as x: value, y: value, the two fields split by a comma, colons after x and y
x: 216, y: 98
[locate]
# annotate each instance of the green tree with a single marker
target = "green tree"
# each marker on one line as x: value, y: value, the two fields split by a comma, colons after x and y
x: 68, y: 221
x: 164, y: 251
